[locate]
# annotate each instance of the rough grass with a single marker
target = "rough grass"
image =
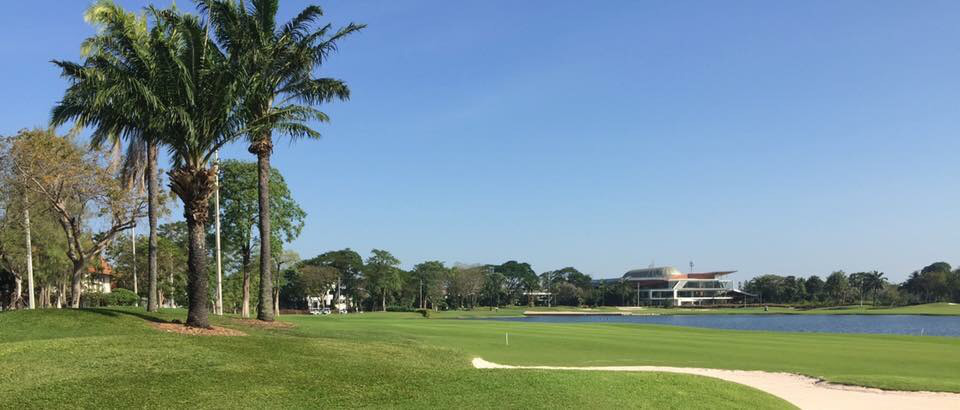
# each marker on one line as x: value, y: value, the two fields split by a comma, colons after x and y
x: 105, y: 358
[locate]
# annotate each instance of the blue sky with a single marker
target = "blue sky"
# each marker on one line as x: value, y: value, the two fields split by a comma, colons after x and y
x: 767, y: 137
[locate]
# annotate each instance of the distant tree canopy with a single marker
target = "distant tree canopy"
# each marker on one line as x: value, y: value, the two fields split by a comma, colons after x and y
x: 934, y: 283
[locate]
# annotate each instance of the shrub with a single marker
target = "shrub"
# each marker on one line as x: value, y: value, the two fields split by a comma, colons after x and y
x: 121, y: 297
x: 92, y: 299
x: 424, y: 312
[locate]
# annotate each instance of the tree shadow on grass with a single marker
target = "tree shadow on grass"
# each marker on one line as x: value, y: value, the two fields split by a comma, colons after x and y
x: 118, y: 313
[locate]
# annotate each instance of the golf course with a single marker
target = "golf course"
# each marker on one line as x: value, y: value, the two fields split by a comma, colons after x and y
x: 116, y: 357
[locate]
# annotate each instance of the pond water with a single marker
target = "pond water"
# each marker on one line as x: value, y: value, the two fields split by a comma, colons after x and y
x: 883, y: 324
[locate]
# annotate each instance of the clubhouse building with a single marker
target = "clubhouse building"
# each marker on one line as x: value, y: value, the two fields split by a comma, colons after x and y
x: 667, y: 286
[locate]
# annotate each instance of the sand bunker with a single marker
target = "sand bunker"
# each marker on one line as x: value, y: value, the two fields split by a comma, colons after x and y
x: 802, y: 391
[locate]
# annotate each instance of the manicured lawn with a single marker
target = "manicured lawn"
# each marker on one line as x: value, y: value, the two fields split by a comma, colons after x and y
x: 939, y: 309
x: 883, y: 361
x: 111, y: 358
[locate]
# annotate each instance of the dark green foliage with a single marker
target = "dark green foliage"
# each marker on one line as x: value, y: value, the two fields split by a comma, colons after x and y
x: 121, y: 297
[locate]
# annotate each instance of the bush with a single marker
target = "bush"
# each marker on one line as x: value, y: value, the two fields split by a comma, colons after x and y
x: 92, y: 299
x: 121, y: 297
x: 395, y: 308
x: 424, y: 312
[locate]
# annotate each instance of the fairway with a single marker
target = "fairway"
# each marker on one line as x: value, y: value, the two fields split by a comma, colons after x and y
x: 883, y: 361
x: 113, y: 358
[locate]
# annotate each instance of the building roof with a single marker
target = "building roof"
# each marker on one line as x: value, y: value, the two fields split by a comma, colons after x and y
x: 669, y: 272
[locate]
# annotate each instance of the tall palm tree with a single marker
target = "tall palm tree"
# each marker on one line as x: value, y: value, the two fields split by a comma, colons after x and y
x: 280, y: 88
x: 122, y: 49
x: 186, y: 101
x: 875, y: 283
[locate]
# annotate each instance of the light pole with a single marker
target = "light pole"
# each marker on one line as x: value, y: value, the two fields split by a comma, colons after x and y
x: 216, y: 206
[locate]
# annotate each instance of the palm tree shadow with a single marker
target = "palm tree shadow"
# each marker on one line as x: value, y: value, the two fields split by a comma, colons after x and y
x: 118, y: 313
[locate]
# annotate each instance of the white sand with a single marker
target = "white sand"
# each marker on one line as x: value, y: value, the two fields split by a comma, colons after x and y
x: 802, y: 391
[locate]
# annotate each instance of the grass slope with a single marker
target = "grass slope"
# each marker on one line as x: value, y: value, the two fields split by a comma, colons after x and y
x: 106, y: 358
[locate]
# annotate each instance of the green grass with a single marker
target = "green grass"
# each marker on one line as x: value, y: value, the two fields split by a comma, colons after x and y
x: 111, y: 358
x: 108, y: 358
x: 937, y: 309
x: 884, y: 361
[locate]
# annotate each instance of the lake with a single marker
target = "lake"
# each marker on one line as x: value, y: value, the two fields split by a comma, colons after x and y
x: 881, y: 324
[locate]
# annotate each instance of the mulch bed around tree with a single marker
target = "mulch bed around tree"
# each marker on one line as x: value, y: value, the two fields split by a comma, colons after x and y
x: 264, y: 325
x: 196, y: 331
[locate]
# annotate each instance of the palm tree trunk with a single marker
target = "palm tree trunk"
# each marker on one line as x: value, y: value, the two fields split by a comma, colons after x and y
x: 263, y: 148
x: 197, y: 275
x: 383, y: 300
x: 153, y: 297
x: 195, y: 187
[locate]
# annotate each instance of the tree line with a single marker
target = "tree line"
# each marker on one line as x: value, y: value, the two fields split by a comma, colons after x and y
x: 937, y: 282
x: 188, y: 84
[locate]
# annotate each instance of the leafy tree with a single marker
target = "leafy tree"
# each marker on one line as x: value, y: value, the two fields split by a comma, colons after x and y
x: 520, y: 278
x: 239, y: 214
x: 427, y: 274
x: 837, y: 286
x: 281, y: 90
x: 75, y: 185
x: 814, y: 287
x: 464, y: 283
x: 349, y: 268
x: 383, y: 274
x: 494, y: 286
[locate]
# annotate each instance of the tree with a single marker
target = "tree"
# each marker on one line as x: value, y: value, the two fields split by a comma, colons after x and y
x: 197, y: 99
x: 494, y: 285
x: 382, y: 273
x: 102, y: 94
x: 874, y: 283
x: 75, y: 185
x: 858, y: 281
x: 278, y: 65
x: 814, y: 287
x: 285, y: 258
x: 427, y: 274
x: 239, y: 214
x: 520, y: 278
x: 464, y: 283
x: 349, y: 267
x: 837, y: 287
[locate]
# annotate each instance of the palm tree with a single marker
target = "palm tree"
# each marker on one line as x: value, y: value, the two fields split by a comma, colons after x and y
x: 875, y: 283
x: 280, y: 89
x: 186, y: 101
x: 119, y: 53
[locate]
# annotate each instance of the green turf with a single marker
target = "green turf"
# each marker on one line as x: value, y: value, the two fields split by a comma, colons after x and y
x: 109, y: 358
x: 939, y: 309
x: 883, y: 361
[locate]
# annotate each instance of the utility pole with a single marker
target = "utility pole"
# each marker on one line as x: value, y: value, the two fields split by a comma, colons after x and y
x: 133, y: 241
x: 216, y: 208
x: 26, y: 225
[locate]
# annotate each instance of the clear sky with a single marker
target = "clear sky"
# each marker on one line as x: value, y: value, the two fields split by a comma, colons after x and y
x: 766, y: 137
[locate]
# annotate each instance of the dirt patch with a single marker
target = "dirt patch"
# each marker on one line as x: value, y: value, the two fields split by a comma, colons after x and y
x: 196, y: 331
x: 263, y: 325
